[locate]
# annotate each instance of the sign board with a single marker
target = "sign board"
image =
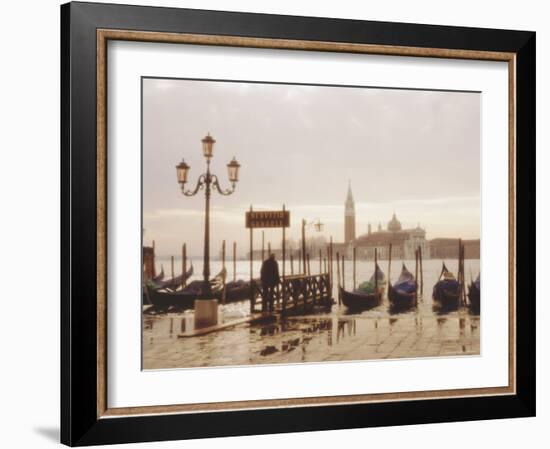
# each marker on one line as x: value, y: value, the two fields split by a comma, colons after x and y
x: 268, y: 219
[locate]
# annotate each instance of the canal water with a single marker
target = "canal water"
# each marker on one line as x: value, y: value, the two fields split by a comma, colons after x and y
x: 324, y: 336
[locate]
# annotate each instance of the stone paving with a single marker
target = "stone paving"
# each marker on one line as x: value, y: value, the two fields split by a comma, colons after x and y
x: 315, y: 338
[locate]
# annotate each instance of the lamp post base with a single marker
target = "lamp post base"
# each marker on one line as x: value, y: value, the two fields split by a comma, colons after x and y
x: 206, y: 313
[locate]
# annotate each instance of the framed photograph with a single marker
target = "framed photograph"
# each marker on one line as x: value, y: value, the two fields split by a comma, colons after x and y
x: 279, y: 224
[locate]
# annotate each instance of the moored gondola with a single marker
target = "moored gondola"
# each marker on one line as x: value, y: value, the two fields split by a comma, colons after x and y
x: 238, y: 290
x: 474, y: 293
x: 447, y: 290
x: 174, y: 283
x: 368, y: 295
x: 185, y: 298
x: 403, y: 294
x: 157, y: 283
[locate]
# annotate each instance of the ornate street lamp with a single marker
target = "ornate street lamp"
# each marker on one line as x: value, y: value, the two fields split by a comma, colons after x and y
x: 207, y: 181
x: 318, y: 226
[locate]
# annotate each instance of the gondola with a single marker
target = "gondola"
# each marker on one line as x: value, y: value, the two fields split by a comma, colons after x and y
x: 368, y: 295
x: 158, y: 284
x: 403, y: 294
x: 174, y: 283
x: 447, y: 290
x: 238, y: 290
x: 474, y: 290
x: 185, y: 299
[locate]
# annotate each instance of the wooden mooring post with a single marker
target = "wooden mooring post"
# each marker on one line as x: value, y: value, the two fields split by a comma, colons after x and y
x: 183, y: 265
x: 338, y: 277
x: 154, y: 261
x: 416, y: 275
x: 330, y: 259
x: 459, y: 271
x: 330, y: 266
x: 343, y: 273
x: 421, y: 271
x: 389, y: 268
x: 375, y: 270
x: 304, y: 245
x: 172, y: 266
x: 224, y: 292
x: 283, y: 250
x: 354, y: 266
x: 234, y: 261
x: 263, y: 246
x: 320, y: 261
x: 251, y: 257
x: 291, y: 264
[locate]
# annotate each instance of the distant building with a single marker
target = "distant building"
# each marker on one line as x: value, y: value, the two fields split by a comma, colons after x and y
x: 404, y: 242
x: 349, y: 217
x: 443, y: 248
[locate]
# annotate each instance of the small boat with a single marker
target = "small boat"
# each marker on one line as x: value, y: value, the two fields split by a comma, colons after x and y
x: 447, y: 290
x: 238, y: 290
x: 474, y: 290
x: 368, y: 295
x: 185, y: 298
x: 154, y: 281
x: 174, y: 283
x: 164, y: 300
x: 403, y: 294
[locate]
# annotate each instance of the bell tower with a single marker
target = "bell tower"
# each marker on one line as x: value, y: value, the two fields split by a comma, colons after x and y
x: 349, y: 217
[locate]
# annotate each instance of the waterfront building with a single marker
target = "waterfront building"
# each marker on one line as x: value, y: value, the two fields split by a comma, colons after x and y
x: 404, y: 242
x: 447, y: 248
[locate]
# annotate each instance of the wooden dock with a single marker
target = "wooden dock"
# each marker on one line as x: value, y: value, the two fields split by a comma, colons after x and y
x: 294, y: 294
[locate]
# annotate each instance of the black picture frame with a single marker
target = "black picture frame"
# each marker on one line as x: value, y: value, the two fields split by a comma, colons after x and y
x: 80, y: 424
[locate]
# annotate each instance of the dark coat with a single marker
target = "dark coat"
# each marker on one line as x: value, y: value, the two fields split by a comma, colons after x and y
x: 270, y: 273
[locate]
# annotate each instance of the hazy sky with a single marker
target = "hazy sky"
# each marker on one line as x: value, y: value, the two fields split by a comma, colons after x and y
x: 413, y: 152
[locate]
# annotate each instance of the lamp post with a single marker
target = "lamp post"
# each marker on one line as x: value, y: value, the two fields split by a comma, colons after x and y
x: 207, y: 182
x: 318, y: 226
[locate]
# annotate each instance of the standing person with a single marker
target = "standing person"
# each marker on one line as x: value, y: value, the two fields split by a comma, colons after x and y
x: 270, y: 279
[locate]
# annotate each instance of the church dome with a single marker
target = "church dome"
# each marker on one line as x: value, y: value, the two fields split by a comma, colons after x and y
x: 394, y: 224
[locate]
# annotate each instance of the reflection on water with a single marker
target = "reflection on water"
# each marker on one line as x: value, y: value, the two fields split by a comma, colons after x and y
x: 335, y: 336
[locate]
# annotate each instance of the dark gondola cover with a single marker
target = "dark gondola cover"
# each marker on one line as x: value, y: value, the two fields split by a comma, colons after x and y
x: 474, y: 293
x: 403, y: 294
x: 367, y: 296
x: 238, y: 290
x: 446, y: 291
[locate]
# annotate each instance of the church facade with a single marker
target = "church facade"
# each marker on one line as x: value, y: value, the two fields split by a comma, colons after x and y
x: 404, y: 241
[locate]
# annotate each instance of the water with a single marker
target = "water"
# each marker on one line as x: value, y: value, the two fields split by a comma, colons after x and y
x: 334, y: 336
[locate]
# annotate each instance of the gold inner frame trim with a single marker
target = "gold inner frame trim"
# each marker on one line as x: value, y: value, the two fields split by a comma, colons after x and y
x: 104, y: 35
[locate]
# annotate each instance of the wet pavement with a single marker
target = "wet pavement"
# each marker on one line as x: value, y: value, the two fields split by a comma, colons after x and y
x: 337, y: 336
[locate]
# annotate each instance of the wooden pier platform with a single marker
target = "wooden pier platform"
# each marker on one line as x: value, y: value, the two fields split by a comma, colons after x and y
x: 295, y: 294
